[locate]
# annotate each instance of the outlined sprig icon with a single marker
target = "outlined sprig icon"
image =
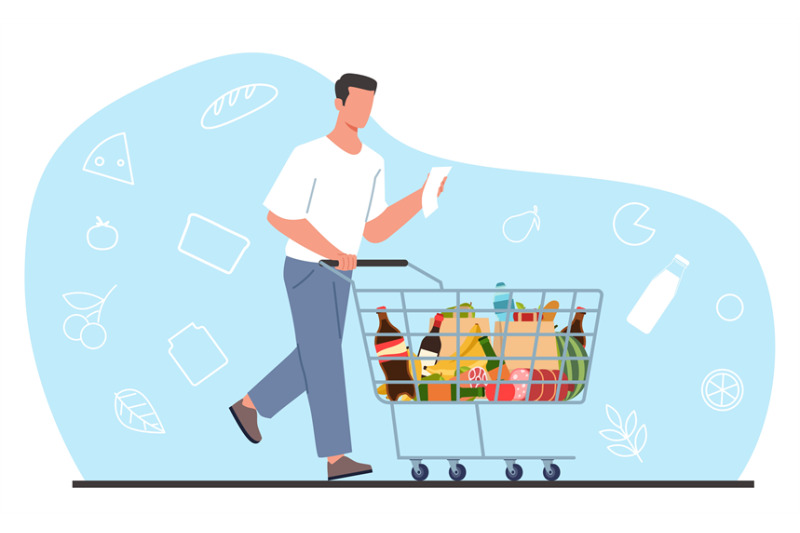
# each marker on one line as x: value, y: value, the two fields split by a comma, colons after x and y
x: 624, y: 433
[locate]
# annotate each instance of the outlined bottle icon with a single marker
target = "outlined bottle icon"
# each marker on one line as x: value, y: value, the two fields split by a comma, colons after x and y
x: 657, y: 296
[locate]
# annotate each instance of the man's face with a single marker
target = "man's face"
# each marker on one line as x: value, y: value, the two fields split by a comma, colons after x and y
x: 355, y: 111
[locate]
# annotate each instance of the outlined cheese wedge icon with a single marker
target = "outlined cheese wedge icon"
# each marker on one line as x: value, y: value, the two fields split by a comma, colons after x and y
x: 111, y: 159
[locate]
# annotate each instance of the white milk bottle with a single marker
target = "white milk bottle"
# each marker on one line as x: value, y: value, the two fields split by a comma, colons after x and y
x: 656, y: 297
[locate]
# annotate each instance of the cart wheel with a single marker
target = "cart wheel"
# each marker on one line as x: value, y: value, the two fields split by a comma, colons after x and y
x: 420, y: 474
x: 551, y: 474
x: 459, y: 473
x: 515, y: 474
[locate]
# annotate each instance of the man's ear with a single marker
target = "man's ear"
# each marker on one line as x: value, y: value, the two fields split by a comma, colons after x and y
x: 338, y: 103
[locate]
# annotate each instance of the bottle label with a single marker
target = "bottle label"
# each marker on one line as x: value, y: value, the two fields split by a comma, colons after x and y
x: 395, y: 348
x: 427, y: 357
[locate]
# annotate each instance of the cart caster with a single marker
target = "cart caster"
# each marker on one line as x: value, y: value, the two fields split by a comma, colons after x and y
x: 514, y: 473
x: 552, y: 473
x: 458, y: 472
x: 420, y: 473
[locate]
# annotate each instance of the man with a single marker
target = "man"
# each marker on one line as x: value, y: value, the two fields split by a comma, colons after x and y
x: 329, y: 193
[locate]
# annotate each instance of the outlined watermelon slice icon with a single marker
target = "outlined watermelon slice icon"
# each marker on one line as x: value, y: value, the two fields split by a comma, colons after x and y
x: 111, y: 159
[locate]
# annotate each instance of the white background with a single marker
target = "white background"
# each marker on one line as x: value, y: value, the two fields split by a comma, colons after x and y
x: 696, y: 98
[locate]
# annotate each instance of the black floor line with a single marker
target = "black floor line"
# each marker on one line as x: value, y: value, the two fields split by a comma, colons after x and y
x: 108, y: 484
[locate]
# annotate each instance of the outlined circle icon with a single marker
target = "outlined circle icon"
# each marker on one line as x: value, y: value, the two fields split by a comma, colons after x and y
x: 722, y: 389
x: 629, y: 207
x: 741, y: 307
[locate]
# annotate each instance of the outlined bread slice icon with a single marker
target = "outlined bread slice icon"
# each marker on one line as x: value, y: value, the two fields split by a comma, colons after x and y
x: 111, y: 159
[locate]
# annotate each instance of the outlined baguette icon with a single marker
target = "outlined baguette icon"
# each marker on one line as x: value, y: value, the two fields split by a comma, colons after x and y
x: 238, y: 103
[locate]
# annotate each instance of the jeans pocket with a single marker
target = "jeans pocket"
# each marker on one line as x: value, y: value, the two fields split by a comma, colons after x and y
x: 303, y: 280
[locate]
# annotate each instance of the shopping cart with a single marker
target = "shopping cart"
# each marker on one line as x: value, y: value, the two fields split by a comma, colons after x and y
x: 413, y: 303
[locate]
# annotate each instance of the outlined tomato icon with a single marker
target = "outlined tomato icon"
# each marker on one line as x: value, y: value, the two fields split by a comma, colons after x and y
x: 722, y: 389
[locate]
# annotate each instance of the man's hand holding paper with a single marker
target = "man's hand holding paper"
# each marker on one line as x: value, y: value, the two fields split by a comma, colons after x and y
x: 433, y: 187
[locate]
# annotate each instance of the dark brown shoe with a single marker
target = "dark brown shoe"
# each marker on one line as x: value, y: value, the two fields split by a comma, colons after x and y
x: 346, y: 467
x: 247, y: 419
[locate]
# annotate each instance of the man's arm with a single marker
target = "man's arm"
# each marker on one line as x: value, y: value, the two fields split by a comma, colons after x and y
x: 302, y: 232
x: 396, y: 216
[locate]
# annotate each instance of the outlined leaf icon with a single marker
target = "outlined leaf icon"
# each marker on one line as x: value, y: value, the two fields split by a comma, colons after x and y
x: 135, y: 412
x: 630, y: 423
x: 641, y: 434
x: 613, y: 435
x: 82, y: 300
x: 621, y: 450
x: 632, y: 448
x: 613, y: 417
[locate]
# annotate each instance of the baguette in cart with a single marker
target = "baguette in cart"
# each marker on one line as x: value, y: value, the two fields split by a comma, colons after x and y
x: 477, y: 374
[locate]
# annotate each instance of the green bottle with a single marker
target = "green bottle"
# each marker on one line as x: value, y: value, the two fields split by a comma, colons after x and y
x: 491, y: 364
x: 439, y: 394
x: 467, y: 392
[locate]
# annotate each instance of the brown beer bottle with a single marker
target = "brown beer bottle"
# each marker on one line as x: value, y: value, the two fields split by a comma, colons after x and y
x: 393, y: 357
x: 577, y: 327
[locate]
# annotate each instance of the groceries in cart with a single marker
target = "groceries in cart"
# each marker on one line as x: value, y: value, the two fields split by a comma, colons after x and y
x: 445, y: 371
x: 524, y: 358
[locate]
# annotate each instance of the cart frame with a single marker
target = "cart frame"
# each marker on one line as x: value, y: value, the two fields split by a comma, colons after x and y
x: 419, y: 471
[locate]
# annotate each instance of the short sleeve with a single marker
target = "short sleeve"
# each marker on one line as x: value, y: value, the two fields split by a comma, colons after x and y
x: 378, y: 201
x: 291, y: 192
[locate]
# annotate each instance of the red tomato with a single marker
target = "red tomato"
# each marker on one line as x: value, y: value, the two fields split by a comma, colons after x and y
x: 506, y: 392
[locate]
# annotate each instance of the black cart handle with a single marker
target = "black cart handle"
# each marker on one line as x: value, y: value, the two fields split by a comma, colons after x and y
x: 371, y: 262
x: 331, y: 263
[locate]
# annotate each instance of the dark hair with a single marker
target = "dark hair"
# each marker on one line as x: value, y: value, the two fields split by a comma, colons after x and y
x: 358, y: 81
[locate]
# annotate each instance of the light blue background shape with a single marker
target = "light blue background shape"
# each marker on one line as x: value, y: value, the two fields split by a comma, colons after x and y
x: 224, y: 174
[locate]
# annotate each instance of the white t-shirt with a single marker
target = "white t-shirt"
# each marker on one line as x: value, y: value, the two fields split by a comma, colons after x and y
x: 335, y: 191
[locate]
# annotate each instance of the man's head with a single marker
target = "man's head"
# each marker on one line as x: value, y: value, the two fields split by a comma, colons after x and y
x: 354, y: 95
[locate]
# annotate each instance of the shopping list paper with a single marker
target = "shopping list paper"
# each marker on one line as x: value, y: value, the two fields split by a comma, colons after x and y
x: 430, y: 195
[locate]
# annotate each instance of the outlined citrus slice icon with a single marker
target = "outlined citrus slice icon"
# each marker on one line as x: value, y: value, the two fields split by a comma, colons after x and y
x: 722, y: 389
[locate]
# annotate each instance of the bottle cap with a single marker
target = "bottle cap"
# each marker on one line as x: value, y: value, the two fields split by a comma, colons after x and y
x: 382, y: 307
x: 682, y: 259
x: 438, y: 318
x: 579, y: 307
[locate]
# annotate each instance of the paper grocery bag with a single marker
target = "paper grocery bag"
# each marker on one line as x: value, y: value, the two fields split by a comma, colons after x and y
x: 450, y: 343
x: 523, y: 345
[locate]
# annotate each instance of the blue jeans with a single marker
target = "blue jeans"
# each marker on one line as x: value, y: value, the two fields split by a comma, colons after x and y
x: 318, y: 301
